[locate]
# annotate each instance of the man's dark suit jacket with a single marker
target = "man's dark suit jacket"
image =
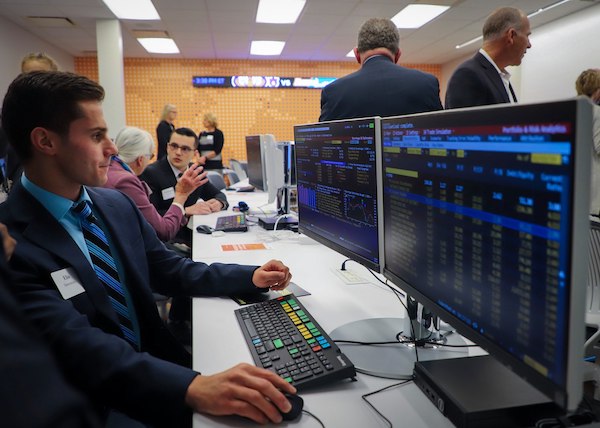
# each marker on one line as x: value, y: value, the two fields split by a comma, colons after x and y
x: 475, y: 82
x: 159, y: 176
x: 83, y: 331
x: 33, y: 391
x: 380, y: 88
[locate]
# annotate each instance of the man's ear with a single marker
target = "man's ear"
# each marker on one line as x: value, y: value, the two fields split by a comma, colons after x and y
x: 43, y: 140
x: 510, y: 35
x: 356, y: 55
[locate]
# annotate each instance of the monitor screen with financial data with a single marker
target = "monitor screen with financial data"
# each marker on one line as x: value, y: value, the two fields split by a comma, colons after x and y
x: 337, y: 181
x: 485, y: 217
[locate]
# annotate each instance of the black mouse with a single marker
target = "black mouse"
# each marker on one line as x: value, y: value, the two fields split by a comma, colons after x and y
x: 203, y: 228
x: 297, y: 404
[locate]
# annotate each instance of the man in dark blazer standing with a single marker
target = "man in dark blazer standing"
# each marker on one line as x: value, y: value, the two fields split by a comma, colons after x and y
x: 85, y: 293
x: 483, y: 79
x: 379, y: 87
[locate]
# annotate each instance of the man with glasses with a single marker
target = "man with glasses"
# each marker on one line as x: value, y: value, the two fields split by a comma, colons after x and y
x: 162, y: 177
x: 483, y: 79
x: 163, y: 174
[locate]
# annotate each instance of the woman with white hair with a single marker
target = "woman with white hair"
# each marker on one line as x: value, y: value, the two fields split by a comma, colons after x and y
x: 135, y: 152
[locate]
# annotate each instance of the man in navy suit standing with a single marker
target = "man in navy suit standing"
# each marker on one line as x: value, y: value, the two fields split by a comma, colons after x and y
x: 379, y: 87
x: 483, y: 79
x: 87, y: 262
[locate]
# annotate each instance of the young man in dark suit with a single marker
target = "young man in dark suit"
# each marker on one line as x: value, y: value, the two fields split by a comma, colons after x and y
x: 483, y: 79
x: 87, y: 262
x: 161, y: 177
x: 380, y: 87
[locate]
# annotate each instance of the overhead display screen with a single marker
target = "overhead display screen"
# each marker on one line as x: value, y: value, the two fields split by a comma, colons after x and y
x: 268, y: 82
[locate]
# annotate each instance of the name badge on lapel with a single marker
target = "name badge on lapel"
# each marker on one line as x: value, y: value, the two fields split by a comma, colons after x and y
x: 67, y: 282
x: 168, y: 193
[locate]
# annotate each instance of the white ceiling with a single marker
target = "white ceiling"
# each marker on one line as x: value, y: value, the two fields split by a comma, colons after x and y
x: 223, y: 29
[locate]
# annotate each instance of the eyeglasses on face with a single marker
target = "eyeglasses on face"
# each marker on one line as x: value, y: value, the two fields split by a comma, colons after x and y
x: 150, y: 156
x: 184, y: 149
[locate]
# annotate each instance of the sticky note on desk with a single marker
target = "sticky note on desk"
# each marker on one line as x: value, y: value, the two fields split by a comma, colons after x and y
x: 244, y: 247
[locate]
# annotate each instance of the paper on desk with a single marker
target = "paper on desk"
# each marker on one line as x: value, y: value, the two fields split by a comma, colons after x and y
x: 245, y: 247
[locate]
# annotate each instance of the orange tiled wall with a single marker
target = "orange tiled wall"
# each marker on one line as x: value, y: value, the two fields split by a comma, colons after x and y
x: 151, y: 83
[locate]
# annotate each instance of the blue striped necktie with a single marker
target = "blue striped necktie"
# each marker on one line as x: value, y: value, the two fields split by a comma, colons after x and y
x: 106, y: 269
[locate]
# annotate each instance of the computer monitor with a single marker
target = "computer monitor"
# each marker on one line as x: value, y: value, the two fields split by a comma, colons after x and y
x: 289, y: 156
x: 289, y: 159
x: 338, y: 191
x: 274, y: 173
x: 280, y: 171
x: 485, y: 213
x: 255, y: 155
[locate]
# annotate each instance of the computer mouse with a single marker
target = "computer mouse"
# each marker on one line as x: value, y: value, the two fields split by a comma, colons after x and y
x: 297, y: 404
x: 204, y: 228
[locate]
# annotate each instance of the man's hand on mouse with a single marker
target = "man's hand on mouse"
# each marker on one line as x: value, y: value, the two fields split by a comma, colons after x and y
x: 244, y: 390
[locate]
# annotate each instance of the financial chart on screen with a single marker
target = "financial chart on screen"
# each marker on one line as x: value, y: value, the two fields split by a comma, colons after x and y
x: 337, y: 176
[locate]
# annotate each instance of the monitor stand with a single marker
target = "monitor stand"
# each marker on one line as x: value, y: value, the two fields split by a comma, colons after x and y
x: 394, y: 361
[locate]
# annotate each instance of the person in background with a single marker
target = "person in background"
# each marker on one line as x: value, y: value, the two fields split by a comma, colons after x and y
x: 210, y: 144
x: 38, y: 61
x: 483, y: 79
x: 35, y: 61
x: 87, y: 262
x: 163, y: 174
x: 162, y: 178
x: 164, y: 129
x: 135, y: 152
x: 588, y: 84
x: 379, y: 87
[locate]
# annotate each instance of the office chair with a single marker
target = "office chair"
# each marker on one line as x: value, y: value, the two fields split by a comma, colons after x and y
x: 238, y: 168
x: 216, y: 179
x: 233, y: 177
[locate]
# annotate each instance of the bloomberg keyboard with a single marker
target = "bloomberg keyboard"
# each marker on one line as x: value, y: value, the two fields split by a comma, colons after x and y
x: 232, y: 223
x: 284, y: 338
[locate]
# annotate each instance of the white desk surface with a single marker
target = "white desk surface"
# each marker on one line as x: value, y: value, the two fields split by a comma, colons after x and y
x: 218, y: 343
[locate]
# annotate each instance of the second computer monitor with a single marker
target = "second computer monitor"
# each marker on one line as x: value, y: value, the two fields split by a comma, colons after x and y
x: 337, y: 178
x: 255, y: 154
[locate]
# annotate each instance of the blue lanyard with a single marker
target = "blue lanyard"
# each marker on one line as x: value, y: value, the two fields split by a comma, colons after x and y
x: 123, y: 164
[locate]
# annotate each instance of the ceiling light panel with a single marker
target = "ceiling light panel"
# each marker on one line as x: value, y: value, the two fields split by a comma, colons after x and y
x: 279, y: 11
x: 159, y: 45
x: 132, y: 9
x: 266, y: 47
x: 417, y: 15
